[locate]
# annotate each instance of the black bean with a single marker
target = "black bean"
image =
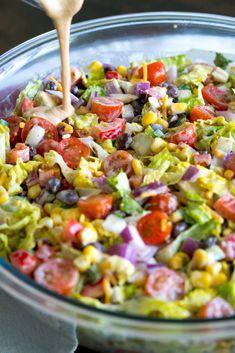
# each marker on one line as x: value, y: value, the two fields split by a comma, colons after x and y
x: 124, y: 141
x: 209, y: 242
x: 143, y: 98
x: 53, y: 185
x: 138, y: 106
x: 179, y: 228
x: 74, y: 90
x: 32, y: 152
x: 109, y: 67
x: 172, y: 91
x: 51, y: 86
x: 68, y: 197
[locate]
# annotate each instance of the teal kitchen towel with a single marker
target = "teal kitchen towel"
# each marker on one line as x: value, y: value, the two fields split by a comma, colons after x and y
x: 26, y: 330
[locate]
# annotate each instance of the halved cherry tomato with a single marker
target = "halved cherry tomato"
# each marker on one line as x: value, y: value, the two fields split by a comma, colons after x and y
x: 20, y: 151
x: 108, y: 109
x: 71, y: 231
x: 202, y: 113
x: 165, y: 284
x: 47, y: 145
x: 94, y: 290
x: 50, y: 129
x: 47, y: 174
x: 26, y: 104
x: 185, y: 133
x: 156, y: 73
x: 203, y: 159
x: 23, y: 261
x: 116, y: 161
x: 72, y: 150
x: 225, y: 206
x: 228, y: 246
x: 44, y: 252
x: 216, y: 308
x: 229, y: 161
x: 109, y: 131
x: 111, y: 75
x: 15, y: 130
x: 154, y: 228
x: 58, y: 275
x: 96, y: 206
x: 167, y: 203
x: 216, y: 96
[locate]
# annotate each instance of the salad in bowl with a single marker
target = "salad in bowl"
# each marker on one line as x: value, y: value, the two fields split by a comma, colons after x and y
x: 129, y: 203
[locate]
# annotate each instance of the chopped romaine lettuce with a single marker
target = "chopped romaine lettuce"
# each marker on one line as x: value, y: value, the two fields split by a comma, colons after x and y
x: 196, y: 76
x: 83, y: 121
x: 93, y: 88
x: 181, y: 61
x: 4, y: 142
x: 197, y: 298
x: 130, y: 206
x: 86, y: 171
x: 29, y: 91
x: 120, y: 182
x: 198, y: 214
x: 227, y: 291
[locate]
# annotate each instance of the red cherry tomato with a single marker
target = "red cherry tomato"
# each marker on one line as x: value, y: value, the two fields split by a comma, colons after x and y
x: 225, y: 206
x: 216, y: 96
x: 96, y: 206
x: 58, y: 275
x: 154, y: 228
x: 47, y: 145
x: 93, y: 290
x: 116, y: 161
x: 167, y: 203
x: 229, y: 161
x: 165, y: 284
x: 15, y: 130
x: 202, y: 113
x: 108, y: 131
x: 156, y: 73
x: 71, y: 231
x: 23, y: 261
x: 20, y: 151
x: 216, y: 308
x: 228, y: 246
x: 26, y: 104
x: 203, y: 159
x: 44, y: 252
x: 72, y: 150
x: 108, y: 109
x: 50, y: 129
x: 185, y: 133
x: 111, y: 75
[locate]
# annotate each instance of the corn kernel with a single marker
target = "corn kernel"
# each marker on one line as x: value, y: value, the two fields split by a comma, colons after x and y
x: 137, y: 167
x: 226, y: 232
x: 208, y: 195
x: 122, y: 70
x: 107, y: 291
x: 148, y: 118
x: 200, y: 259
x: 178, y: 108
x: 94, y: 254
x: 229, y: 174
x: 88, y: 235
x: 82, y: 263
x: 34, y: 191
x: 176, y: 217
x: 3, y: 195
x: 200, y: 279
x: 172, y: 147
x: 158, y: 144
x: 95, y: 66
x: 219, y: 154
x: 218, y: 279
x: 162, y: 122
x: 214, y: 268
x: 22, y: 125
x: 178, y: 261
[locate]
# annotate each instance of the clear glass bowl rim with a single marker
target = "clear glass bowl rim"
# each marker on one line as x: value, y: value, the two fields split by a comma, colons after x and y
x: 184, y: 18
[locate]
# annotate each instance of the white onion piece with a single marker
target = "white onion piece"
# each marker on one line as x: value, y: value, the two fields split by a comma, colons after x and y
x: 125, y: 98
x: 35, y: 136
x: 172, y: 74
x: 114, y: 224
x: 128, y: 112
x: 3, y: 148
x: 95, y: 147
x: 127, y: 87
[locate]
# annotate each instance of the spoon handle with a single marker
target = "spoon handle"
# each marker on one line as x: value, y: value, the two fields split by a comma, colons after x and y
x: 34, y: 3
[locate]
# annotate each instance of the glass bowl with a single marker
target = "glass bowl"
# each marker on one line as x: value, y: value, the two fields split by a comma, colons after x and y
x: 116, y: 40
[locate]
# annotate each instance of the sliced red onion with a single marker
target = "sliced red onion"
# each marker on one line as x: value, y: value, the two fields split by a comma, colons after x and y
x: 125, y: 98
x: 126, y: 234
x: 141, y: 87
x: 113, y: 87
x: 229, y: 160
x: 102, y: 184
x: 229, y: 115
x: 190, y: 245
x: 33, y: 178
x: 190, y: 174
x: 172, y: 74
x: 151, y: 189
x: 92, y: 96
x: 153, y: 267
x: 126, y: 251
x: 157, y: 92
x: 128, y: 112
x: 75, y: 101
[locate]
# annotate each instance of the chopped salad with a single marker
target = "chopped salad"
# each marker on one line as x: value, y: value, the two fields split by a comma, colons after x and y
x: 129, y: 203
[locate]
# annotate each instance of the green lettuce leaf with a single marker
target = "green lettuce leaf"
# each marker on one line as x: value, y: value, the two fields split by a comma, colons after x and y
x: 120, y: 182
x: 221, y: 61
x: 196, y: 299
x: 130, y: 206
x: 207, y: 132
x: 29, y: 91
x: 181, y: 61
x: 227, y: 291
x: 91, y: 89
x: 83, y: 121
x: 196, y: 76
x: 198, y: 214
